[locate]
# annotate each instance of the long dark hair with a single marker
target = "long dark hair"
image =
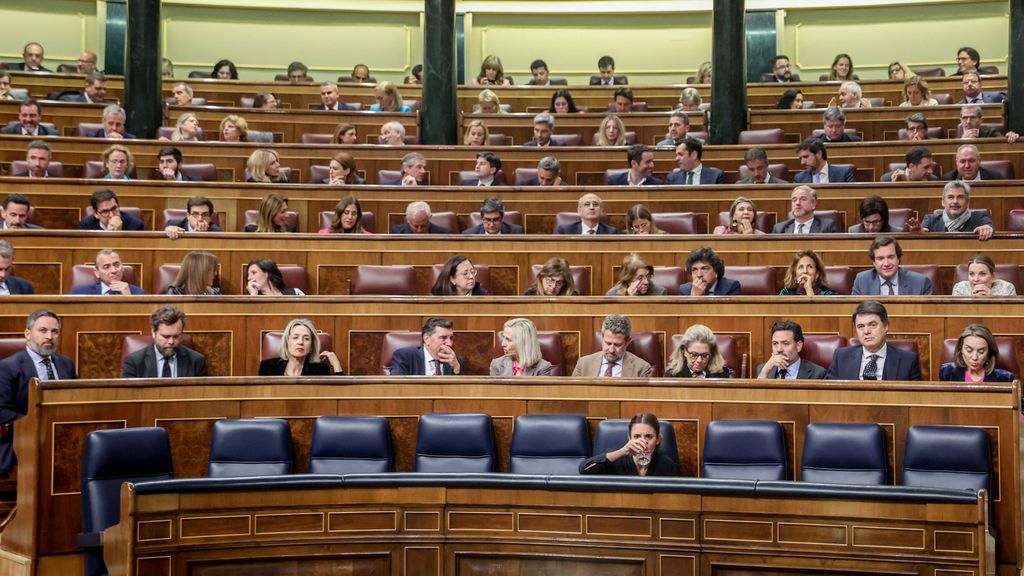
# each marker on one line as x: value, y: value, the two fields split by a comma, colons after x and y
x: 563, y: 93
x: 345, y: 202
x: 443, y: 286
x: 649, y: 419
x: 269, y: 267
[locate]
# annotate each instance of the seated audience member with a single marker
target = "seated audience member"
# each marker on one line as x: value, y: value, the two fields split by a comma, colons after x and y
x: 636, y: 279
x: 898, y: 71
x: 873, y: 359
x: 342, y: 171
x: 756, y: 161
x: 32, y: 59
x: 417, y: 221
x: 5, y: 86
x: 887, y: 277
x: 414, y: 171
x: 186, y: 128
x: 234, y: 128
x: 874, y: 217
x: 388, y: 99
x: 487, y: 166
x: 109, y: 277
x: 919, y: 167
x: 300, y: 354
x: 606, y: 73
x: 850, y: 96
x: 169, y: 166
x: 548, y: 173
x: 704, y: 73
x: 392, y: 134
x: 613, y: 361
x: 361, y: 73
x: 329, y: 95
x: 198, y: 218
x: 562, y: 103
x: 457, y: 278
x: 742, y: 218
x: 106, y: 214
x: 697, y: 356
x: 590, y: 208
x: 792, y: 99
x: 640, y: 221
x: 118, y: 162
x: 14, y: 211
x: 967, y: 58
x: 543, y: 127
x: 916, y: 93
x: 690, y: 100
x: 29, y: 122
x: 842, y: 69
x: 492, y: 73
x: 196, y: 276
x: 803, y: 201
x: 973, y: 93
x: 348, y: 218
x: 487, y: 102
x: 415, y: 76
x: 834, y: 127
x: 167, y: 68
x: 266, y: 101
x: 345, y: 133
x: 272, y: 215
x: 9, y: 283
x: 982, y: 280
x: 476, y: 133
x: 225, y: 70
x: 968, y: 166
x: 781, y: 71
x: 539, y: 73
x: 435, y: 357
x: 806, y: 276
x: 167, y: 357
x: 554, y: 279
x: 639, y: 456
x: 113, y: 125
x: 956, y: 215
x: 264, y: 165
x: 974, y: 358
x: 707, y: 275
x: 298, y: 73
x: 492, y: 214
x: 264, y: 278
x: 691, y: 170
x: 971, y: 126
x: 641, y: 164
x: 785, y: 362
x: 917, y: 127
x: 623, y: 103
x: 612, y: 132
x: 814, y: 160
x: 521, y: 351
x: 678, y: 128
x: 181, y: 95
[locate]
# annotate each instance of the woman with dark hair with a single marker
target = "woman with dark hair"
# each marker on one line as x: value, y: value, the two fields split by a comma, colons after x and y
x: 300, y: 354
x: 842, y: 69
x: 640, y: 221
x: 792, y: 99
x: 874, y: 217
x: 416, y: 77
x: 265, y: 101
x: 273, y: 215
x: 697, y: 356
x: 225, y: 70
x: 345, y: 133
x: 639, y: 456
x: 974, y: 359
x: 264, y: 278
x: 457, y: 278
x: 562, y: 103
x: 806, y: 276
x: 195, y: 278
x: 348, y: 218
x: 742, y: 218
x: 554, y: 279
x: 342, y: 170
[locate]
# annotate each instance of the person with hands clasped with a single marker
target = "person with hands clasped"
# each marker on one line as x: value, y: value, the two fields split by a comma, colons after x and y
x: 435, y: 357
x: 638, y: 457
x: 301, y: 354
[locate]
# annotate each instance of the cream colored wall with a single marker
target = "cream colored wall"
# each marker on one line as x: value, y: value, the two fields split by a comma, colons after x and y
x: 65, y: 28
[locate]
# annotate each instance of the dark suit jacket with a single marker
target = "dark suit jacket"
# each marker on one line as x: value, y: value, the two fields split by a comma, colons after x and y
x: 908, y: 282
x: 887, y: 177
x: 183, y: 223
x: 708, y: 175
x: 986, y: 174
x: 835, y: 174
x: 616, y: 80
x: 577, y: 228
x: 404, y: 228
x: 21, y: 66
x: 988, y: 98
x: 622, y: 179
x: 142, y: 363
x: 808, y: 371
x: 899, y: 364
x: 817, y: 226
x: 552, y: 142
x: 724, y: 287
x: 771, y: 180
x: 535, y: 182
x: 277, y: 366
x: 341, y: 106
x: 15, y: 372
x: 933, y: 222
x: 15, y: 128
x: 476, y: 182
x: 410, y: 362
x: 506, y: 228
x: 844, y: 138
x: 19, y: 286
x: 96, y: 290
x: 950, y: 372
x: 25, y: 175
x: 101, y: 133
x: 128, y: 222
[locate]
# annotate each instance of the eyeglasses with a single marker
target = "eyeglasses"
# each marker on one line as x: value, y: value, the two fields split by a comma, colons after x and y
x: 201, y: 215
x: 872, y: 222
x: 493, y: 220
x: 109, y: 211
x: 117, y: 161
x: 698, y: 355
x: 591, y: 204
x: 468, y: 273
x: 552, y: 281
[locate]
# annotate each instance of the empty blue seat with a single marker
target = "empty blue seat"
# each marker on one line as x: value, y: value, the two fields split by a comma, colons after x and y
x: 612, y: 434
x: 844, y: 453
x: 250, y: 447
x: 350, y: 445
x: 947, y: 457
x: 744, y: 450
x: 548, y: 444
x: 455, y: 442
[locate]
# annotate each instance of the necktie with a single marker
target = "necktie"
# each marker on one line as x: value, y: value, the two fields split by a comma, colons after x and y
x: 166, y: 372
x: 817, y: 177
x: 48, y: 363
x: 689, y: 177
x: 591, y: 231
x: 871, y: 369
x: 110, y: 293
x: 888, y: 288
x: 608, y: 370
x: 437, y: 367
x: 783, y: 373
x: 800, y: 228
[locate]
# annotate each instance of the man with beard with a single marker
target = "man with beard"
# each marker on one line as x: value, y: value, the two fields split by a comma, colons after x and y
x: 167, y: 357
x: 956, y: 215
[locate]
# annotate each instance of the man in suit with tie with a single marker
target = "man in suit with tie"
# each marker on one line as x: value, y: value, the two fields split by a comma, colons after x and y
x: 109, y: 274
x: 691, y: 170
x: 113, y: 125
x: 803, y: 200
x: 95, y: 90
x: 968, y: 166
x: 956, y: 215
x: 785, y: 361
x: 492, y: 214
x: 9, y: 283
x: 834, y: 127
x: 641, y: 165
x: 971, y: 126
x: 487, y: 166
x: 32, y: 59
x: 543, y: 128
x: 707, y: 275
x: 756, y: 160
x: 973, y: 93
x: 607, y: 77
x: 613, y: 361
x: 107, y: 216
x: 873, y: 359
x: 814, y: 160
x: 329, y: 95
x: 39, y: 360
x: 549, y: 171
x: 167, y: 357
x: 29, y: 123
x: 14, y: 213
x: 435, y: 357
x: 590, y: 208
x: 887, y: 277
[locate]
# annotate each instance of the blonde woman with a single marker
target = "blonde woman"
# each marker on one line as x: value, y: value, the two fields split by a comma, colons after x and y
x: 300, y: 354
x: 388, y: 98
x: 118, y: 162
x: 636, y: 279
x: 273, y: 215
x: 916, y: 93
x: 196, y: 276
x: 488, y: 103
x: 704, y: 73
x: 234, y: 128
x: 522, y: 351
x: 697, y: 356
x: 742, y: 218
x: 265, y: 166
x: 186, y: 129
x: 476, y: 133
x: 612, y: 132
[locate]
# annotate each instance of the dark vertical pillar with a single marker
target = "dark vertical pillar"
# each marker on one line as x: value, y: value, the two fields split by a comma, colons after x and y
x: 460, y: 48
x: 438, y: 113
x: 113, y: 53
x: 729, y: 81
x: 1015, y: 68
x: 143, y: 74
x: 761, y: 43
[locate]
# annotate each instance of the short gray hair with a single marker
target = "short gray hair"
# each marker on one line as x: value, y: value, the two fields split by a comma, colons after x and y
x: 329, y: 83
x: 617, y: 324
x: 961, y: 184
x: 183, y: 85
x: 833, y: 113
x: 690, y: 95
x: 492, y: 205
x: 974, y: 108
x: 104, y: 252
x: 411, y: 158
x: 6, y: 250
x: 39, y: 314
x: 396, y: 125
x: 113, y: 110
x: 416, y: 207
x: 550, y: 163
x: 968, y: 147
x: 811, y: 191
x: 852, y: 87
x: 544, y: 118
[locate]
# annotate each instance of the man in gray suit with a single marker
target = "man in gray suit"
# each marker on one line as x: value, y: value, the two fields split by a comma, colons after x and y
x: 174, y: 359
x: 888, y: 278
x: 785, y: 361
x: 756, y: 160
x: 613, y: 360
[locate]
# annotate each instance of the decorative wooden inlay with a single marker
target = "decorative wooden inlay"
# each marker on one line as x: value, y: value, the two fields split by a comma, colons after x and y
x: 953, y: 541
x: 150, y: 530
x: 906, y: 538
x: 422, y: 561
x: 950, y: 572
x: 738, y: 530
x: 620, y: 525
x: 423, y: 521
x: 552, y: 523
x: 206, y: 527
x: 677, y: 528
x: 384, y: 521
x: 70, y: 438
x: 817, y: 534
x: 677, y: 565
x: 489, y: 521
x: 153, y: 565
x: 289, y: 523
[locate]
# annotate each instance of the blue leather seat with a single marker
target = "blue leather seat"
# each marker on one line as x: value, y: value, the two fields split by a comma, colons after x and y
x: 250, y: 447
x: 548, y: 444
x: 947, y: 457
x: 844, y: 453
x: 612, y: 434
x: 350, y: 445
x: 110, y: 458
x: 455, y: 442
x: 745, y: 450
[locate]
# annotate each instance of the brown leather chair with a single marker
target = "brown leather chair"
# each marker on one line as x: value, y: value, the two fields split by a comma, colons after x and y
x: 1007, y: 272
x: 932, y: 272
x: 384, y: 281
x: 130, y: 210
x: 670, y: 278
x: 446, y: 219
x: 253, y: 217
x: 698, y: 135
x: 763, y: 221
x: 483, y: 275
x: 1007, y: 353
x: 165, y: 132
x: 943, y: 98
x: 611, y: 172
x: 308, y: 138
x: 247, y: 101
x: 511, y: 216
x: 819, y: 131
x: 680, y: 222
x: 178, y: 214
x: 642, y: 344
x: 271, y: 345
x: 93, y: 169
x: 929, y: 72
x: 834, y: 215
x: 369, y: 221
x: 286, y: 171
x: 634, y: 107
x: 318, y: 173
x: 1002, y: 167
x: 86, y: 128
x: 988, y: 70
x: 563, y: 218
x: 1015, y: 219
x: 780, y: 171
x: 766, y: 136
x: 133, y: 342
x: 260, y: 136
x: 55, y: 169
x: 819, y: 348
x: 464, y: 176
x: 498, y: 139
x: 206, y: 171
x: 840, y: 279
x: 933, y: 133
x: 900, y: 216
x: 195, y: 74
x: 84, y: 275
x: 727, y: 346
x: 754, y: 280
x: 876, y: 101
x: 550, y: 350
x: 11, y: 346
x: 580, y: 277
x: 630, y: 138
x: 395, y: 341
x: 295, y: 276
x: 568, y: 139
x: 523, y: 174
x: 388, y: 176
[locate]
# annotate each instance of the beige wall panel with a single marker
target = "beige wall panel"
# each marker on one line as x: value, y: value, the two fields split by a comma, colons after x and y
x: 64, y: 28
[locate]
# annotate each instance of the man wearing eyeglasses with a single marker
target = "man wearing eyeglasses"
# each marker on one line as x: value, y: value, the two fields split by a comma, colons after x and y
x: 198, y: 218
x: 613, y: 361
x: 590, y: 208
x: 106, y: 215
x: 971, y: 126
x: 492, y: 215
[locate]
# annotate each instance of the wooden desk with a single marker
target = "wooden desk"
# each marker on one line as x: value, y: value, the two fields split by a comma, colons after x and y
x: 650, y: 127
x: 767, y: 95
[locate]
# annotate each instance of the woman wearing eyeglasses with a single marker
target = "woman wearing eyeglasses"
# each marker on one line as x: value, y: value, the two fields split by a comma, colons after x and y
x: 458, y: 278
x: 636, y: 279
x: 697, y: 356
x: 554, y: 279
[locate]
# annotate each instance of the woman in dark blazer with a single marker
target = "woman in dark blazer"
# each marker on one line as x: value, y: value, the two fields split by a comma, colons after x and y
x: 640, y: 456
x: 301, y: 354
x: 974, y: 359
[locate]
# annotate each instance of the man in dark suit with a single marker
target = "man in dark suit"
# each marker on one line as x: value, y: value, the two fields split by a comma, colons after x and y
x: 678, y: 128
x: 691, y: 170
x: 607, y: 77
x: 707, y: 275
x: 968, y: 166
x: 590, y: 208
x: 756, y: 160
x: 492, y: 212
x: 14, y: 213
x: 95, y: 90
x: 887, y: 277
x: 10, y: 284
x: 486, y: 168
x: 106, y: 214
x: 329, y: 95
x: 110, y: 280
x: 785, y: 361
x: 417, y: 221
x: 32, y: 59
x: 971, y: 126
x: 548, y: 173
x: 803, y: 200
x: 543, y: 128
x: 919, y: 167
x: 814, y: 160
x: 781, y: 71
x: 198, y: 218
x: 113, y: 125
x: 413, y: 169
x: 834, y: 127
x: 435, y: 357
x: 873, y: 359
x: 38, y: 159
x: 167, y: 357
x: 39, y: 360
x: 30, y: 116
x: 956, y: 215
x: 169, y: 166
x: 541, y: 76
x: 973, y: 93
x: 641, y: 164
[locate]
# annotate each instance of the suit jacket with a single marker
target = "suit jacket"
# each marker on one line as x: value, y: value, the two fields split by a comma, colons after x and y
x: 858, y: 228
x: 404, y: 228
x: 15, y: 128
x: 844, y: 138
x: 616, y: 80
x: 101, y: 133
x: 817, y: 226
x: 409, y: 361
x: 808, y: 371
x: 277, y: 366
x: 577, y: 228
x: 708, y: 175
x: 3, y: 226
x: 502, y: 366
x: 633, y: 366
x: 908, y: 282
x: 506, y: 228
x: 19, y: 286
x: 836, y: 174
x: 476, y: 182
x: 986, y: 174
x: 950, y: 372
x: 97, y: 289
x: 724, y: 287
x: 899, y: 364
x: 142, y: 363
x: 622, y: 179
x: 15, y: 372
x: 552, y: 142
x: 536, y: 182
x: 933, y: 222
x: 341, y: 106
x: 21, y: 66
x: 988, y: 98
x: 887, y: 177
x: 25, y: 175
x: 183, y: 223
x: 771, y: 180
x: 128, y: 222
